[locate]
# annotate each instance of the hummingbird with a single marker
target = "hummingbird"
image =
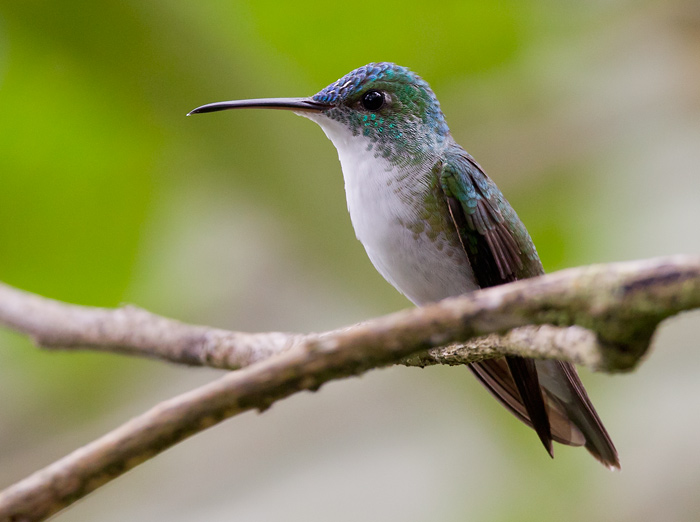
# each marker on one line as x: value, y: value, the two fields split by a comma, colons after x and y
x: 435, y: 225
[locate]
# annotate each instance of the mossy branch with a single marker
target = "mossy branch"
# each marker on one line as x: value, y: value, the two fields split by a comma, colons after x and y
x: 616, y: 309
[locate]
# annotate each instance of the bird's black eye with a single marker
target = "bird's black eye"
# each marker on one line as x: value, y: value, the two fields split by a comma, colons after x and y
x: 373, y: 100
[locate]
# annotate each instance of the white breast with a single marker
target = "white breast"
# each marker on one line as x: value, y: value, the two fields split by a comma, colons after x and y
x: 383, y: 204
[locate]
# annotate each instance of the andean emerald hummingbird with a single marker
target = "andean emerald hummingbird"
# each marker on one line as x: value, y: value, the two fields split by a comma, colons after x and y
x: 435, y: 225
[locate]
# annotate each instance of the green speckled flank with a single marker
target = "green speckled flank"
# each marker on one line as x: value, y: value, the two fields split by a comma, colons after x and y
x: 431, y: 216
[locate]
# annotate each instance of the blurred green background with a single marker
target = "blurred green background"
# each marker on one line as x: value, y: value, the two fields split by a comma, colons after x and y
x: 587, y: 114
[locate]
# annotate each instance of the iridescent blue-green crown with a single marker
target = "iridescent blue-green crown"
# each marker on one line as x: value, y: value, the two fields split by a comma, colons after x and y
x: 415, y: 92
x: 350, y: 83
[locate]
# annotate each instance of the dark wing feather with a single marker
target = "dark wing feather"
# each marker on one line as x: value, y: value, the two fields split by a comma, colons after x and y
x: 500, y: 251
x: 494, y: 255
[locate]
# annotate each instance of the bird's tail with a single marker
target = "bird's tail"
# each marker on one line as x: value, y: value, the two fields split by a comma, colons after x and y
x: 570, y: 413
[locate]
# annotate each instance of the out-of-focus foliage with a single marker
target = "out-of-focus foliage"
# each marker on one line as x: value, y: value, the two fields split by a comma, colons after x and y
x: 587, y: 114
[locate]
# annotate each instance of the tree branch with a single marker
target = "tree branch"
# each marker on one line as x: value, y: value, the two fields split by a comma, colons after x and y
x: 133, y: 331
x: 620, y: 305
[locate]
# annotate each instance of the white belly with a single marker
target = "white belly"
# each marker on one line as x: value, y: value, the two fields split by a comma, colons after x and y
x: 425, y: 264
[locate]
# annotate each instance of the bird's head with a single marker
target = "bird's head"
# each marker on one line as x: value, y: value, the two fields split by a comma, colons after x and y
x: 387, y: 108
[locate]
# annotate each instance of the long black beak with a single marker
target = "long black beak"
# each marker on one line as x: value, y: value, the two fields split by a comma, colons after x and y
x: 290, y: 104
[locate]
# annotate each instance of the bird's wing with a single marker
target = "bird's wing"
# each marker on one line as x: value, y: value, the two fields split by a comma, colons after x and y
x: 500, y: 250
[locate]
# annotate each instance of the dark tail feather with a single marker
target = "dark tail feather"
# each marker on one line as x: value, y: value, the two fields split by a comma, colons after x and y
x: 564, y: 390
x: 571, y: 418
x: 524, y: 374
